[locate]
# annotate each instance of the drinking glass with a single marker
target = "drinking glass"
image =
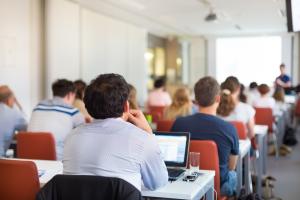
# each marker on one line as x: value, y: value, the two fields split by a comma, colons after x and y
x: 194, y: 159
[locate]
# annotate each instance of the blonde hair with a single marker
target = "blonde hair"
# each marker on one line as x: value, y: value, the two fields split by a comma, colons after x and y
x: 279, y: 94
x: 181, y: 105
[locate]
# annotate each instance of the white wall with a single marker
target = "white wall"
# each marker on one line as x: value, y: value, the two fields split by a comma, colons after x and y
x: 17, y: 63
x: 83, y: 44
x: 198, y: 59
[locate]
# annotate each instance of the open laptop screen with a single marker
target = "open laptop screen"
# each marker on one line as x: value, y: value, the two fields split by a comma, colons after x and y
x: 174, y: 148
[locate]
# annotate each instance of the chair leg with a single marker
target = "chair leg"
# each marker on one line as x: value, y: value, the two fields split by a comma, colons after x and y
x: 274, y: 138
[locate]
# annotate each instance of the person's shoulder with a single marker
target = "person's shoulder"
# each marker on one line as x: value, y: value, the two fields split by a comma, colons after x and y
x: 225, y: 125
x: 245, y: 106
x: 53, y: 105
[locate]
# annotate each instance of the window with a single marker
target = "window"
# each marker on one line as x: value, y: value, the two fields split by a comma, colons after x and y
x: 249, y: 59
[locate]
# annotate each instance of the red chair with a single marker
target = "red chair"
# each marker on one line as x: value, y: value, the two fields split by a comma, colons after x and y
x: 209, y: 159
x: 36, y: 146
x: 264, y: 116
x: 297, y: 108
x: 241, y: 129
x: 19, y: 180
x: 165, y: 125
x: 157, y: 109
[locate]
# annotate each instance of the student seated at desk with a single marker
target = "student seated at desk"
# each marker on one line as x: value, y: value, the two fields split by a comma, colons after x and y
x: 57, y: 115
x: 205, y: 125
x: 80, y: 86
x: 181, y: 105
x: 231, y: 109
x: 11, y: 119
x: 118, y: 143
x: 159, y: 96
x: 265, y: 100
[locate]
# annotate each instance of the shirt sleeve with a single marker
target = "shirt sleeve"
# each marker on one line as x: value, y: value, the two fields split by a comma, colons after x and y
x: 235, y: 141
x: 251, y: 112
x: 78, y: 119
x: 20, y: 121
x: 168, y: 99
x: 153, y: 169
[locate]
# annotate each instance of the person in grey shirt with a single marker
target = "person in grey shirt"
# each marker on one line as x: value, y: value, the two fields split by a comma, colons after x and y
x: 11, y: 119
x: 118, y: 143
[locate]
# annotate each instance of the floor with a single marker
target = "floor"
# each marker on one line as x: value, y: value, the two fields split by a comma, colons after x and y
x: 287, y: 172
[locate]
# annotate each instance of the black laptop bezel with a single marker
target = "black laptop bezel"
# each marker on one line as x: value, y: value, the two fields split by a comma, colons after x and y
x: 187, y: 147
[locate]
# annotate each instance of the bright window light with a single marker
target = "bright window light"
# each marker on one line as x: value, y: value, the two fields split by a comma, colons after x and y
x: 249, y: 59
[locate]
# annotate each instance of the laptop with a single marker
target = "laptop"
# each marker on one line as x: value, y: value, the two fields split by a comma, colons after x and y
x: 174, y: 147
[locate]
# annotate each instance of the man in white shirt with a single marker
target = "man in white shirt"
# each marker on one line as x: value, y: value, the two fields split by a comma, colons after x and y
x: 57, y: 115
x: 118, y: 143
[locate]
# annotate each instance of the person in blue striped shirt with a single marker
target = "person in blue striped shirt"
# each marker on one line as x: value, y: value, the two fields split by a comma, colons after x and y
x: 118, y: 143
x: 57, y: 115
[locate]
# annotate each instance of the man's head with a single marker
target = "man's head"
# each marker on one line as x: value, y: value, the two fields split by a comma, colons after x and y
x: 107, y: 96
x: 6, y: 96
x: 160, y: 83
x: 253, y: 85
x: 207, y: 92
x: 65, y: 89
x: 282, y: 68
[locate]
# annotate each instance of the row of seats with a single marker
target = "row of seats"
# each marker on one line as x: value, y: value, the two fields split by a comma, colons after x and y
x: 22, y: 176
x: 14, y: 173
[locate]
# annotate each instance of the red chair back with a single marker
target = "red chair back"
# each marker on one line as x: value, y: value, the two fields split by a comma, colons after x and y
x: 297, y: 109
x: 264, y: 116
x: 37, y: 145
x: 165, y: 125
x: 209, y: 158
x: 157, y: 109
x: 19, y: 180
x: 241, y: 129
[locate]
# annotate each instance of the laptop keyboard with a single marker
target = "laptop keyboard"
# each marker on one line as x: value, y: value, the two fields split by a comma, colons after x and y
x: 174, y: 174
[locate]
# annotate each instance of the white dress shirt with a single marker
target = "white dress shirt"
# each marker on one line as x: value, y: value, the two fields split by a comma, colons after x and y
x: 115, y: 148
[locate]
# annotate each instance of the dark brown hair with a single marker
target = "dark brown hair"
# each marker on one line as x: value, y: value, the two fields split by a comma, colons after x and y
x: 80, y: 88
x: 227, y: 105
x: 263, y: 89
x: 206, y: 90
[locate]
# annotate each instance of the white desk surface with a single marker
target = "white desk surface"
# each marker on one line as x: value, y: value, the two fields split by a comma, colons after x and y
x: 260, y: 129
x: 245, y: 146
x: 290, y: 99
x: 184, y: 190
x: 50, y: 168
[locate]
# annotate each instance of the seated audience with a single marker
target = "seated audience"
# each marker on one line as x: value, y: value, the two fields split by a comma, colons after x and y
x: 181, y: 105
x: 205, y: 125
x: 132, y: 99
x: 159, y: 96
x: 11, y: 119
x: 265, y: 100
x: 78, y: 103
x: 119, y: 142
x: 252, y: 93
x: 231, y: 109
x: 57, y: 115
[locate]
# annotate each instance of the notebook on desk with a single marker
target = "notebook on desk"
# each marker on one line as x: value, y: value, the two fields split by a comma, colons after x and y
x: 175, y: 150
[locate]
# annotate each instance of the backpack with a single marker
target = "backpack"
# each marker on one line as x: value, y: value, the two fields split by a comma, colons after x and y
x: 289, y: 137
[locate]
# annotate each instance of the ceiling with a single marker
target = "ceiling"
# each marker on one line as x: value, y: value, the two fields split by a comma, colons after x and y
x: 186, y: 17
